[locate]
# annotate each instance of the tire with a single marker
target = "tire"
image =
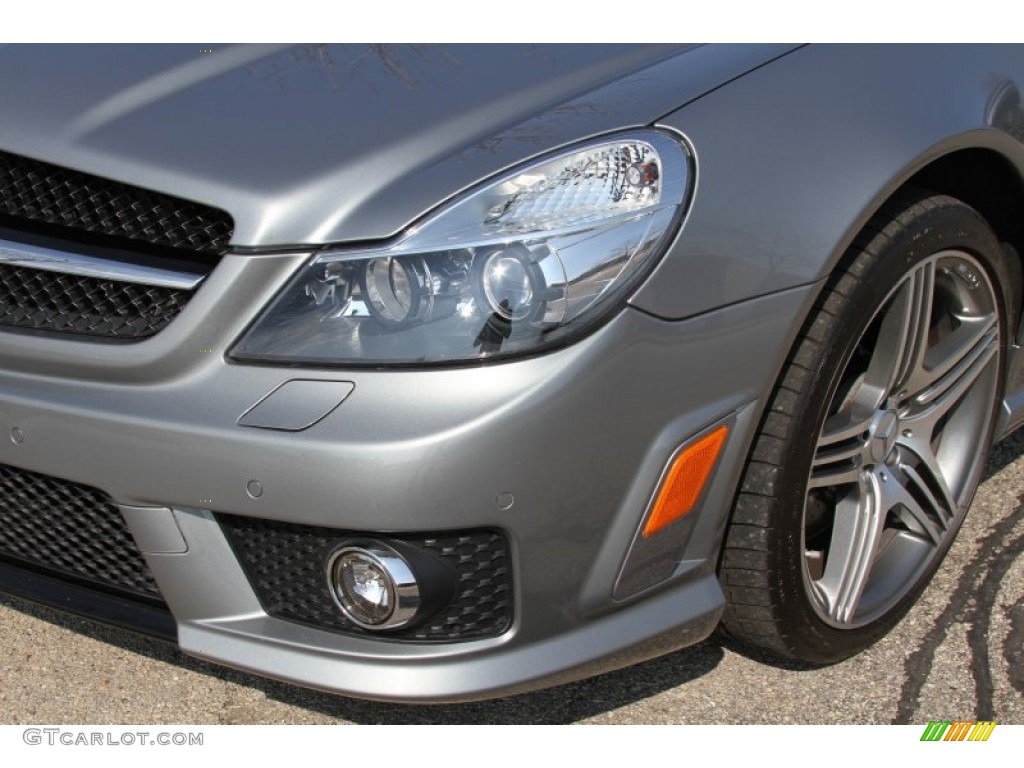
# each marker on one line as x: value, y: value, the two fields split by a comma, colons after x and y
x: 875, y: 437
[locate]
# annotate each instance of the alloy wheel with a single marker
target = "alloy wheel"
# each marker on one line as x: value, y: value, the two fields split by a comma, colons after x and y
x: 902, y: 446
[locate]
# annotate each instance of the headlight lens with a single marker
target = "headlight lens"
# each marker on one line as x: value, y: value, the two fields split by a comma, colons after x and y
x: 525, y: 262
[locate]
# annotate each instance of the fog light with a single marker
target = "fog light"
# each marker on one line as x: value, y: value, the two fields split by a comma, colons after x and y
x: 374, y: 585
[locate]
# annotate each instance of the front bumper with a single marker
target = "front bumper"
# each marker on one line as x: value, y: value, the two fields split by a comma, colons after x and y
x: 578, y: 438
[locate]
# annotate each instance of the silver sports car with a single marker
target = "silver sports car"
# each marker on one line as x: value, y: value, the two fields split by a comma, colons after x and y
x: 446, y: 372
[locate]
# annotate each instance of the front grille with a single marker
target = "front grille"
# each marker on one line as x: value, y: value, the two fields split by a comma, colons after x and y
x: 70, y: 530
x: 41, y: 300
x: 82, y: 211
x: 286, y: 565
x: 48, y: 194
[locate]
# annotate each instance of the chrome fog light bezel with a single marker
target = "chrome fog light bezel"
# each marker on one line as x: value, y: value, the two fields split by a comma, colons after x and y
x: 400, y: 581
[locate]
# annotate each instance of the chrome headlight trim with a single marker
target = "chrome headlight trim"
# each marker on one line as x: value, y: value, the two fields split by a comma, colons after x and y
x: 530, y: 260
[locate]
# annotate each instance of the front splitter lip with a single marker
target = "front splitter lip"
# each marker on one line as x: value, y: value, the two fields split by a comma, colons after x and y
x: 678, y: 617
x: 118, y: 610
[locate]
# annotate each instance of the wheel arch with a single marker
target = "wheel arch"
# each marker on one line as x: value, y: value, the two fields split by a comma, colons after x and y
x: 793, y: 160
x: 988, y: 182
x: 984, y: 177
x: 985, y: 170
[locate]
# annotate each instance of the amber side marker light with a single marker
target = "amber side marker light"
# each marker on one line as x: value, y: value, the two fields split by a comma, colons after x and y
x: 685, y: 480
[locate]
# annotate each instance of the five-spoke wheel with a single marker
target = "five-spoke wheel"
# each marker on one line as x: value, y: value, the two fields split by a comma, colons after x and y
x: 875, y: 437
x: 901, y: 448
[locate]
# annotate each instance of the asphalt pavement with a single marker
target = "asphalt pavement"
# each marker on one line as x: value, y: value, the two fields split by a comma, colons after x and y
x: 956, y: 656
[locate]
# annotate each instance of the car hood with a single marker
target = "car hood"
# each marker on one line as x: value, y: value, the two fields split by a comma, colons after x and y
x: 334, y: 143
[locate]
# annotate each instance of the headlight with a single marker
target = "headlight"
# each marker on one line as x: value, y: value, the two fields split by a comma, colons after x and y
x: 527, y: 261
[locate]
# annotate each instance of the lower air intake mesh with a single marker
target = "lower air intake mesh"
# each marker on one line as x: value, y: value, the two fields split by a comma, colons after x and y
x: 70, y: 530
x: 286, y: 565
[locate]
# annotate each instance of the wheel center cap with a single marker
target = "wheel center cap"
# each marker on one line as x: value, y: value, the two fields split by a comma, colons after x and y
x: 884, y: 431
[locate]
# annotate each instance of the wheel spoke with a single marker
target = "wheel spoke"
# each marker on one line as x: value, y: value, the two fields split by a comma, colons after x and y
x: 834, y: 475
x: 964, y: 357
x: 926, y: 474
x: 856, y: 530
x: 902, y: 337
x: 836, y: 456
x: 933, y: 518
x: 841, y: 429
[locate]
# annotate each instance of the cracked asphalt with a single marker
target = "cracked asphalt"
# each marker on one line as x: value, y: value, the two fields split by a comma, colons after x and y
x: 957, y: 655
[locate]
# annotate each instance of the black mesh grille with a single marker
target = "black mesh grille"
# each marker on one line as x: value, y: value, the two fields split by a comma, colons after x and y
x: 54, y: 301
x: 286, y: 565
x: 49, y: 194
x: 71, y: 530
x: 84, y: 209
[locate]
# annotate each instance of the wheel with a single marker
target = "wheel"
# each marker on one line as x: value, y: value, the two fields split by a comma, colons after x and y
x: 874, y: 439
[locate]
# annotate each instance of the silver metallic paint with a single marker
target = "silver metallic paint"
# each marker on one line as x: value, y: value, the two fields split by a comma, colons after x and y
x: 317, y: 144
x: 792, y: 158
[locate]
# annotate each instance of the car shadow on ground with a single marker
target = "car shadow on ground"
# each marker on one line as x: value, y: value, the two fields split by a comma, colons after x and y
x: 563, y: 704
x: 1005, y: 453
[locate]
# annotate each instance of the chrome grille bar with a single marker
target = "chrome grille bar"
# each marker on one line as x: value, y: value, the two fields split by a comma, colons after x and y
x: 68, y: 262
